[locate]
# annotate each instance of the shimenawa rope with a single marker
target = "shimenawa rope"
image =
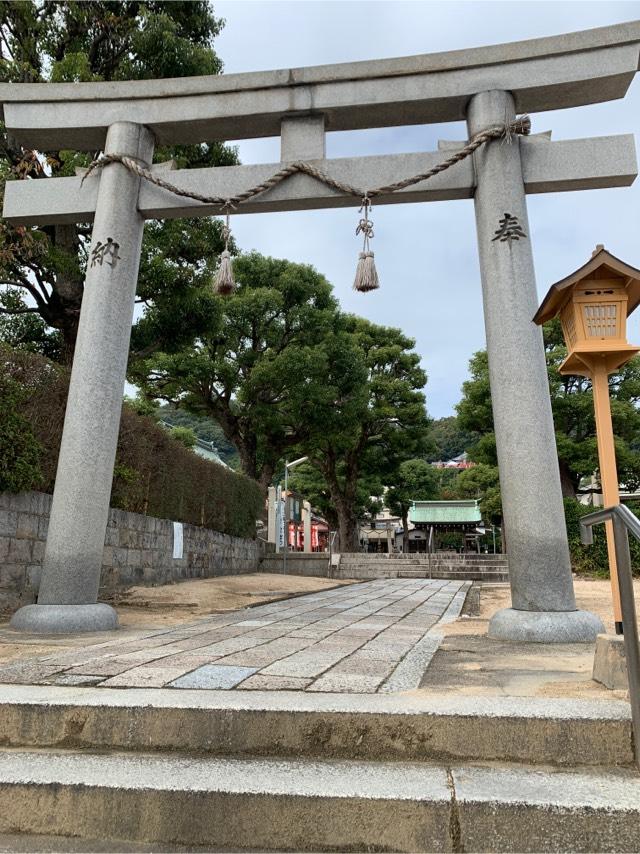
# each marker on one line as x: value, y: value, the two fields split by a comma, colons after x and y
x: 366, y: 275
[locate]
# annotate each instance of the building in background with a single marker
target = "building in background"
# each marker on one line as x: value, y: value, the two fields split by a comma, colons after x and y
x: 445, y: 526
x: 382, y: 533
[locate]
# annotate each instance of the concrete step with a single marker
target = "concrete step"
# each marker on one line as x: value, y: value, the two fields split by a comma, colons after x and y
x: 469, y: 575
x: 391, y: 566
x: 437, y: 574
x: 423, y: 563
x: 411, y: 727
x: 423, y: 556
x: 254, y: 804
x: 408, y: 564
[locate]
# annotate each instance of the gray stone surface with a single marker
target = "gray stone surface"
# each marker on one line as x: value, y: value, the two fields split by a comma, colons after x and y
x: 543, y: 74
x: 545, y: 626
x: 348, y: 638
x: 610, y: 662
x: 65, y: 619
x: 274, y: 716
x: 528, y: 810
x: 80, y: 506
x: 213, y: 676
x: 269, y: 804
x: 311, y: 565
x: 539, y: 565
x: 302, y: 138
x: 251, y: 804
x: 547, y: 167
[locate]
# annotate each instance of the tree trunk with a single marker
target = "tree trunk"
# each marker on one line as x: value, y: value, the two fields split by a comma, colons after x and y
x: 66, y: 298
x: 247, y: 455
x: 343, y: 500
x: 348, y: 529
x: 567, y: 481
x: 266, y: 476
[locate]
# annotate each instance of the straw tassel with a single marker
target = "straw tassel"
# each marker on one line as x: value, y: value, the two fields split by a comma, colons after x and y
x: 366, y: 274
x: 225, y: 283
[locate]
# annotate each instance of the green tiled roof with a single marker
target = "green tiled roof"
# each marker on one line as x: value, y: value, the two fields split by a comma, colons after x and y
x: 444, y: 512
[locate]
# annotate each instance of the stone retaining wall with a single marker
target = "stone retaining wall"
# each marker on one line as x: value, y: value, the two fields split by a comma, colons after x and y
x: 298, y: 563
x: 138, y: 550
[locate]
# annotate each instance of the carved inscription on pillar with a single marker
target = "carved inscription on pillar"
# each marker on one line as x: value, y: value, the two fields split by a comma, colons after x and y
x: 106, y: 253
x: 509, y: 229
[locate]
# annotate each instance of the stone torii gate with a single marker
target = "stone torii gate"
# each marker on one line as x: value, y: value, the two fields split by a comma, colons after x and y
x: 485, y: 87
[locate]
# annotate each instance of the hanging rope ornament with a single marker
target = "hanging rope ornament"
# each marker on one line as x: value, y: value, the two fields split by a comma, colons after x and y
x: 225, y: 283
x: 366, y: 274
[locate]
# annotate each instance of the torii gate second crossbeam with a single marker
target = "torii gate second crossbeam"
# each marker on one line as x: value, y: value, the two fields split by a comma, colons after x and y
x: 485, y: 86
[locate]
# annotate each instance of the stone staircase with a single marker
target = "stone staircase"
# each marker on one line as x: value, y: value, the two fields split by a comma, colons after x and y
x: 449, y: 565
x: 284, y: 771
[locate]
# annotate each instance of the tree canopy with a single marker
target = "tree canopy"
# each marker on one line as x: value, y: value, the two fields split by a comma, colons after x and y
x: 283, y: 372
x: 416, y: 480
x: 572, y: 405
x: 42, y: 269
x: 257, y: 369
x: 449, y: 439
x: 376, y: 421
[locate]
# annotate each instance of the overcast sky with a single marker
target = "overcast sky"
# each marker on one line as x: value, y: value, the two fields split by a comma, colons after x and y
x: 426, y: 253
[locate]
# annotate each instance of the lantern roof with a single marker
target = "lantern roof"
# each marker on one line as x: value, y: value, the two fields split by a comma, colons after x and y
x: 601, y: 265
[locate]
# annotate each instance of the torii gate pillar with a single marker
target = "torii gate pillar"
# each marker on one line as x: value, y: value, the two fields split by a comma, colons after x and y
x: 543, y: 602
x: 67, y: 599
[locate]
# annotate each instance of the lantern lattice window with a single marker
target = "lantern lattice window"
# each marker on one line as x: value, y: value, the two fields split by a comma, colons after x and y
x: 600, y: 313
x: 600, y: 320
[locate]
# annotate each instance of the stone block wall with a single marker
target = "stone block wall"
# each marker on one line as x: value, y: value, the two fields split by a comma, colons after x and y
x: 138, y: 550
x: 315, y: 564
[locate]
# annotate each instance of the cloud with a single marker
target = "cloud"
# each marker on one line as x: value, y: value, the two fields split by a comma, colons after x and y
x: 426, y: 254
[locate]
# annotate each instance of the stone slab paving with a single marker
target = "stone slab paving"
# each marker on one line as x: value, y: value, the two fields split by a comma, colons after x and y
x: 366, y: 638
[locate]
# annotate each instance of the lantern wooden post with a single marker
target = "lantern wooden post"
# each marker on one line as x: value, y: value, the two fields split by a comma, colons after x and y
x: 593, y: 304
x: 608, y: 470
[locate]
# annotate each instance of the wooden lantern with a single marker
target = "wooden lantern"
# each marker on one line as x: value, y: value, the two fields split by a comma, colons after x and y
x: 593, y: 304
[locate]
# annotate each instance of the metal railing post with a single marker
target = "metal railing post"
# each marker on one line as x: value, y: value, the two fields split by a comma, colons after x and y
x: 629, y: 623
x: 624, y: 521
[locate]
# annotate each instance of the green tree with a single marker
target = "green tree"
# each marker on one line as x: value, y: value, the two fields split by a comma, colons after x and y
x: 205, y: 428
x: 184, y: 435
x: 416, y: 481
x: 482, y: 482
x: 449, y: 439
x: 42, y: 269
x: 257, y: 370
x: 372, y: 419
x: 309, y: 482
x: 572, y: 405
x: 20, y: 451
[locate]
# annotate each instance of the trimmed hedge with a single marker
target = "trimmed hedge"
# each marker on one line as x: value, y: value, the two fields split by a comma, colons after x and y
x: 154, y: 474
x: 593, y: 560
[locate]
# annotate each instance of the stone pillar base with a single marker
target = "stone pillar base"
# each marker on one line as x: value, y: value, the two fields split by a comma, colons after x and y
x: 610, y: 663
x: 65, y: 619
x: 545, y: 626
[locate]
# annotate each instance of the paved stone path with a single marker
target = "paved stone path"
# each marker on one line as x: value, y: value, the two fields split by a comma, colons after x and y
x: 365, y: 638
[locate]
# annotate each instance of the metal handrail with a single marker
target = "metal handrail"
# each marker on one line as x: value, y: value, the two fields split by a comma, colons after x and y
x: 623, y: 521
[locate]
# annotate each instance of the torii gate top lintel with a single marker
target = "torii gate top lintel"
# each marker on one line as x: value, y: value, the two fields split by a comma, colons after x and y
x: 542, y: 74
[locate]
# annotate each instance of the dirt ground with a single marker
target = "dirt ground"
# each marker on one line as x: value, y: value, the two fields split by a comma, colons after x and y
x: 141, y: 608
x: 468, y: 662
x: 175, y: 603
